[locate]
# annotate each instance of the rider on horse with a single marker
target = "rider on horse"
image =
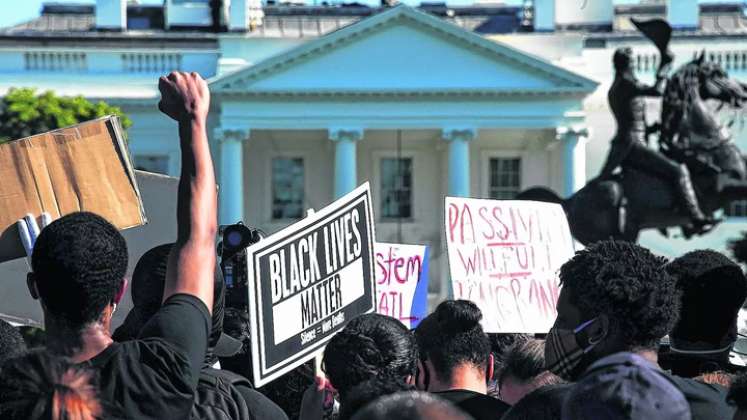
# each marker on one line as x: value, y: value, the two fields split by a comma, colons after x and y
x: 629, y: 147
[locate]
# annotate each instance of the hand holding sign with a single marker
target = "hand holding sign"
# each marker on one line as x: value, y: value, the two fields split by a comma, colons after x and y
x: 29, y: 230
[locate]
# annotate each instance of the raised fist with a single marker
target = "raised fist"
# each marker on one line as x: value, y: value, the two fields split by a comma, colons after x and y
x: 184, y: 96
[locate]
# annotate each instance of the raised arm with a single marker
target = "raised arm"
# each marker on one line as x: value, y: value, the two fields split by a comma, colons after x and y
x: 186, y: 99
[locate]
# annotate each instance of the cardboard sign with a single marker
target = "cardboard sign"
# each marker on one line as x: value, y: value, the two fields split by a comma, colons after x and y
x: 307, y: 281
x: 83, y: 167
x: 402, y: 282
x: 504, y: 256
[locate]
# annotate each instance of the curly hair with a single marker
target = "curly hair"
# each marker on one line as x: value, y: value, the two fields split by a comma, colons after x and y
x: 11, y: 341
x: 40, y: 386
x: 79, y: 264
x: 738, y: 392
x: 370, y: 346
x: 452, y: 335
x: 713, y: 290
x: 411, y: 405
x: 627, y: 283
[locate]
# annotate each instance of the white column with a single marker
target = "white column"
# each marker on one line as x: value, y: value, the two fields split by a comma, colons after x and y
x: 231, y: 177
x: 459, y: 166
x: 346, y: 170
x: 573, y: 140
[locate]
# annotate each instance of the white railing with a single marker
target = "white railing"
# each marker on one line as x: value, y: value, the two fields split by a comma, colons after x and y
x: 151, y: 62
x: 55, y: 61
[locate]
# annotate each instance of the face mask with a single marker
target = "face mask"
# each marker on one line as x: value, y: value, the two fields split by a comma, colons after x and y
x: 565, y: 349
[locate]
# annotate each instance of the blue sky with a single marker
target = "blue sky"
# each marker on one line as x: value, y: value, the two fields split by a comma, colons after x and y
x: 28, y: 9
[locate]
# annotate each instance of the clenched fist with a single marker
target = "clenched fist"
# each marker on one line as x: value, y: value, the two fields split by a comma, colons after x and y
x: 184, y: 96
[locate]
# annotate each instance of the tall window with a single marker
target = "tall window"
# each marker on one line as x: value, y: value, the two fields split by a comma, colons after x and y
x: 736, y: 209
x: 152, y: 163
x: 396, y: 188
x: 287, y: 188
x: 505, y: 178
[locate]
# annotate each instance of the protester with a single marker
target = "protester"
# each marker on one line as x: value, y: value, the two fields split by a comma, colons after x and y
x: 217, y: 391
x: 544, y: 403
x: 713, y: 291
x: 523, y: 371
x: 78, y: 267
x: 286, y: 391
x: 456, y: 363
x: 373, y: 355
x: 737, y: 396
x: 625, y: 386
x: 410, y: 405
x: 40, y: 386
x: 11, y: 342
x: 499, y: 344
x: 615, y: 297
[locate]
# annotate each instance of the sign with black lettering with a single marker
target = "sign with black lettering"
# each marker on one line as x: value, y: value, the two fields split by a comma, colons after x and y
x: 307, y: 281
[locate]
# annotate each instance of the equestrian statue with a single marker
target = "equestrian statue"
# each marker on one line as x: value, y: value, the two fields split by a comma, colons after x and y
x: 696, y: 170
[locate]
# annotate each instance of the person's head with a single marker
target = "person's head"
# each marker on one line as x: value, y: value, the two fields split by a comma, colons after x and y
x: 78, y: 271
x: 411, y: 405
x: 622, y: 59
x: 625, y: 386
x: 371, y: 349
x: 713, y: 290
x: 499, y: 344
x: 523, y: 371
x: 737, y: 396
x: 454, y: 350
x: 148, y: 282
x: 11, y: 342
x: 40, y: 386
x: 544, y: 403
x: 616, y: 296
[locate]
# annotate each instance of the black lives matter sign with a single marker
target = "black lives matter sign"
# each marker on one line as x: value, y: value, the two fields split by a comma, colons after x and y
x: 307, y: 281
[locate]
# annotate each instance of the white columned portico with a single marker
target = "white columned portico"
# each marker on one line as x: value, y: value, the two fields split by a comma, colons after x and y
x: 346, y: 171
x: 459, y: 166
x: 231, y: 193
x: 573, y: 140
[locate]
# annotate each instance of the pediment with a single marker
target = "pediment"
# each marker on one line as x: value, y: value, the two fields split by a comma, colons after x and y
x: 405, y: 51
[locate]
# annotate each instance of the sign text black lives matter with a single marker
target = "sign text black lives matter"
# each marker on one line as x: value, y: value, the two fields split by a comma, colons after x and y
x: 307, y: 281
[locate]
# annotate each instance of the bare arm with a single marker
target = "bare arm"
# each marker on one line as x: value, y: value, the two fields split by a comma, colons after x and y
x: 186, y: 99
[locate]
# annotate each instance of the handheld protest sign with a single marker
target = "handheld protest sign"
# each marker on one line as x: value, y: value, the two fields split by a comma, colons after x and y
x: 505, y: 256
x: 307, y: 281
x: 402, y: 282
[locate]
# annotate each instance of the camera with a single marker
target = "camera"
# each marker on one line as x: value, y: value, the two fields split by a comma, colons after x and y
x: 232, y: 249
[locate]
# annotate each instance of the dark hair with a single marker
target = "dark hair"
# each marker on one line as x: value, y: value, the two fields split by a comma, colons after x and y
x: 371, y: 347
x: 79, y: 263
x: 545, y: 403
x: 39, y: 386
x: 452, y: 335
x: 523, y: 361
x: 738, y: 392
x: 627, y: 283
x: 713, y: 290
x: 11, y: 341
x: 411, y: 405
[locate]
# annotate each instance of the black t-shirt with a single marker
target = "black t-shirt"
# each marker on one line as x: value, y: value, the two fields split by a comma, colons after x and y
x: 155, y: 376
x: 260, y: 407
x: 479, y: 406
x: 707, y: 401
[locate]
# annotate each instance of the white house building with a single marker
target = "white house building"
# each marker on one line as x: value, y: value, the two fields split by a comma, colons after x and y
x: 309, y: 101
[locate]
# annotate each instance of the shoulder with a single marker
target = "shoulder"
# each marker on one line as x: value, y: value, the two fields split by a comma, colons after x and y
x: 703, y: 398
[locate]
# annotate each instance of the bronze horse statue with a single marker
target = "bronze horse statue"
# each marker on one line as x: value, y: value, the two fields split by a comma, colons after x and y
x: 691, y: 134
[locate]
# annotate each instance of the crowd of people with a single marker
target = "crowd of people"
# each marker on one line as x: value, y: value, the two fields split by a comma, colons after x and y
x: 636, y: 336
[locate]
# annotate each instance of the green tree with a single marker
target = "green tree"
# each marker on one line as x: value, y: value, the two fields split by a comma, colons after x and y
x: 24, y: 113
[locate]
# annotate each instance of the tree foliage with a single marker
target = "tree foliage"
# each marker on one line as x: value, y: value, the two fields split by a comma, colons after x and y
x: 24, y: 113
